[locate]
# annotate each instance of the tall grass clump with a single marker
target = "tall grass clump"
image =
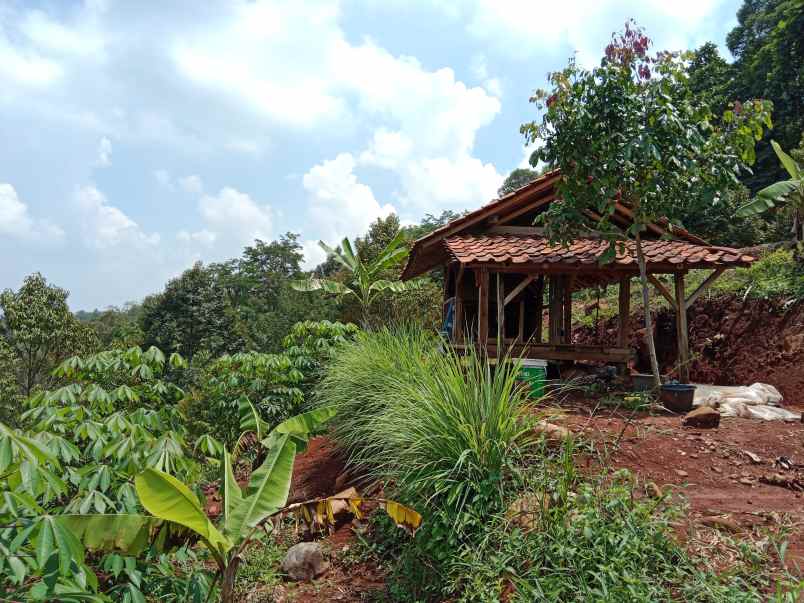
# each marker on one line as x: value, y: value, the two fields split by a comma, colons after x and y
x: 414, y: 414
x: 444, y: 432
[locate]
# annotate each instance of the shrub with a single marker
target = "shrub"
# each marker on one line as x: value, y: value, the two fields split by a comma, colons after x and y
x: 443, y: 432
x: 80, y: 446
x: 269, y: 381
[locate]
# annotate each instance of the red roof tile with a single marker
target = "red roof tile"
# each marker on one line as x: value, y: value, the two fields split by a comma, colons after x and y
x: 532, y: 249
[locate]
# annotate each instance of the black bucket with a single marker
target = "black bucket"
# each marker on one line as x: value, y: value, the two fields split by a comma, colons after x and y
x: 677, y: 397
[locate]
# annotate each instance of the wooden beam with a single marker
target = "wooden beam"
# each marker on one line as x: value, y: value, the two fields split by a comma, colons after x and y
x: 485, y: 212
x: 681, y: 331
x: 703, y: 287
x: 483, y: 307
x: 518, y: 289
x: 537, y: 335
x: 457, y: 324
x: 652, y: 227
x: 662, y: 289
x: 554, y: 309
x: 500, y: 308
x: 524, y: 209
x: 562, y: 352
x: 567, y: 303
x: 521, y: 325
x: 624, y: 310
x: 532, y: 231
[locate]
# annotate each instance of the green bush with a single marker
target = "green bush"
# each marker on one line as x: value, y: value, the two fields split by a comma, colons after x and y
x: 453, y: 438
x: 77, y: 451
x: 435, y: 425
x: 443, y: 432
x: 594, y: 539
x: 776, y: 274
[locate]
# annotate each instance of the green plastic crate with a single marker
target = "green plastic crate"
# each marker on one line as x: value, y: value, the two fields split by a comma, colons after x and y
x: 534, y: 372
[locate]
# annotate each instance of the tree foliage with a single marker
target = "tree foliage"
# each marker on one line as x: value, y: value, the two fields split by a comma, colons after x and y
x: 516, y: 180
x: 364, y: 277
x: 632, y: 131
x: 40, y: 330
x: 788, y: 193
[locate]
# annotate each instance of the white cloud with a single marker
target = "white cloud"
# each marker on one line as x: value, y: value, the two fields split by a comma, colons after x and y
x: 464, y: 182
x: 235, y: 219
x: 82, y: 39
x: 27, y: 67
x: 313, y: 254
x: 105, y: 225
x: 192, y: 184
x: 16, y: 222
x: 523, y: 28
x: 204, y: 237
x: 104, y: 153
x: 339, y: 204
x: 246, y: 58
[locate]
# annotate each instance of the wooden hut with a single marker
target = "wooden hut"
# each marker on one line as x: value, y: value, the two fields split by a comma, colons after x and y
x: 501, y: 274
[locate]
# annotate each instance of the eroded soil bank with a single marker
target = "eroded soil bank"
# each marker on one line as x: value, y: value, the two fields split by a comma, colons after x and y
x: 732, y: 342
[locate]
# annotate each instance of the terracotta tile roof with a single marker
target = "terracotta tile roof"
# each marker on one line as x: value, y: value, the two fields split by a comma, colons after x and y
x: 536, y: 250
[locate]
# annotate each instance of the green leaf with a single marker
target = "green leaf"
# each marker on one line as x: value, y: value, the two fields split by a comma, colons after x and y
x: 267, y: 490
x: 232, y: 495
x: 325, y: 285
x: 755, y: 206
x: 129, y: 534
x: 788, y: 162
x: 779, y: 190
x: 164, y: 496
x: 44, y: 543
x: 300, y: 427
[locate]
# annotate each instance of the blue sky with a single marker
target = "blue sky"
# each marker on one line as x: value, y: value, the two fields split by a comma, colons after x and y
x: 140, y: 137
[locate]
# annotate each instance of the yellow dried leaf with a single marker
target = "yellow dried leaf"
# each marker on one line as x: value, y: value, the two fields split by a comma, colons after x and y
x: 404, y: 517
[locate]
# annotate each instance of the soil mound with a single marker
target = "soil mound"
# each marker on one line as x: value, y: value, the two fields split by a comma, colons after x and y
x: 732, y: 342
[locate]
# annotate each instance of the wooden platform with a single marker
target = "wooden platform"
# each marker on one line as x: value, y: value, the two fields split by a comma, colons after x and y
x: 543, y: 351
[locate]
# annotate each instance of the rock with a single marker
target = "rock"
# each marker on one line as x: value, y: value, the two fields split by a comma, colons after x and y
x: 526, y: 511
x: 681, y: 473
x: 554, y: 434
x: 304, y: 561
x: 746, y: 481
x: 342, y: 506
x: 702, y: 417
x: 721, y: 523
x: 653, y: 490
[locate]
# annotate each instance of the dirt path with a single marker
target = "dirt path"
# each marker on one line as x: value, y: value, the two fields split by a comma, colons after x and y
x: 719, y: 471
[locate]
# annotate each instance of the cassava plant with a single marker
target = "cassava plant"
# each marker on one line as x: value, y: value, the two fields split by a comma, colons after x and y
x: 631, y: 131
x: 177, y: 514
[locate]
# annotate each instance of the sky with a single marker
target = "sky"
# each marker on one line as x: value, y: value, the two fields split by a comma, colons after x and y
x: 140, y: 137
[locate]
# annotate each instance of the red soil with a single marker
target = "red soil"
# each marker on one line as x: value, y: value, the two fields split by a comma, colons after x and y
x: 348, y: 579
x: 732, y: 342
x: 710, y: 467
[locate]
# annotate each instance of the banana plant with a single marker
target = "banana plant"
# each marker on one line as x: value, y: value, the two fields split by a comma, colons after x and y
x: 785, y: 193
x: 177, y: 514
x: 366, y: 281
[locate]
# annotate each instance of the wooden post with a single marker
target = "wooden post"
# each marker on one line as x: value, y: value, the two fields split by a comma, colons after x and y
x: 521, y: 324
x: 567, y: 322
x: 681, y: 330
x: 554, y: 318
x: 537, y: 335
x: 624, y: 309
x: 500, y: 311
x: 483, y: 307
x: 457, y: 317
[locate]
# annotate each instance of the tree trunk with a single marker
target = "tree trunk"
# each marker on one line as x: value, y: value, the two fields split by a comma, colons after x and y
x: 228, y: 583
x: 643, y: 279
